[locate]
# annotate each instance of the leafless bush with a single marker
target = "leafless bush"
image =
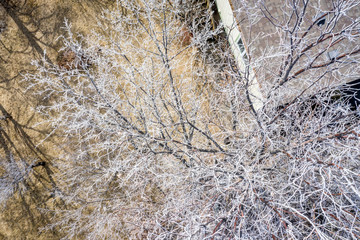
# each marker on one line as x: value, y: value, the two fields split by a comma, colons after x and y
x: 144, y: 127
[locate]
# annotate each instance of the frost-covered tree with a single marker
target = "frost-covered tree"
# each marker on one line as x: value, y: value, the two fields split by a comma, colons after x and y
x: 159, y: 138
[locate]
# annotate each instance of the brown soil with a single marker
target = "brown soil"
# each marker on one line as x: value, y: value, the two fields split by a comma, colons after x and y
x: 28, y: 28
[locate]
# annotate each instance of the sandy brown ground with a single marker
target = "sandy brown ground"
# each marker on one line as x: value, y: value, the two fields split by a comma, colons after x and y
x: 27, y: 29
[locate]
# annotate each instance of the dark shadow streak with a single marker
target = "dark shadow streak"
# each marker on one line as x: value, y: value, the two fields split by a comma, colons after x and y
x: 32, y: 40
